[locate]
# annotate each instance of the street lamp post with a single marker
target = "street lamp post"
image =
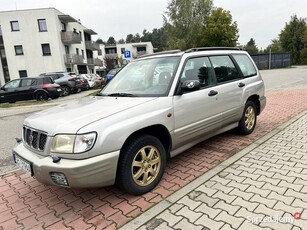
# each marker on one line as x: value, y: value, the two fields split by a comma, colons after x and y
x: 270, y: 57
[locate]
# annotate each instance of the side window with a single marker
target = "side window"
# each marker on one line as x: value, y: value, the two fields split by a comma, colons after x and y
x: 26, y: 82
x: 12, y: 84
x: 224, y: 69
x: 245, y: 64
x: 199, y: 69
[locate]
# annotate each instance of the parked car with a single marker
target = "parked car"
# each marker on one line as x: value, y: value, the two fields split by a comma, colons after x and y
x: 129, y: 130
x: 68, y: 81
x: 92, y: 81
x: 38, y: 88
x: 111, y: 74
x: 84, y: 83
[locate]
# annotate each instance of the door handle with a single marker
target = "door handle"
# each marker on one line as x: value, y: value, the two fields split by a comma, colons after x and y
x: 241, y: 85
x: 212, y: 93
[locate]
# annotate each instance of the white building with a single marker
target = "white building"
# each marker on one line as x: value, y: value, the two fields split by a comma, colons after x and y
x: 44, y: 40
x: 127, y: 51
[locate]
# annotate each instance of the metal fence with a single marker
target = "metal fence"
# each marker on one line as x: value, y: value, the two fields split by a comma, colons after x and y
x: 271, y: 61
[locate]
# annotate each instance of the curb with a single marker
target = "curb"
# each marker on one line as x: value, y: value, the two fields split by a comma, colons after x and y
x: 172, y: 199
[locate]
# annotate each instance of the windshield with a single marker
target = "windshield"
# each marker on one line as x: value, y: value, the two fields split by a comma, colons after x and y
x: 149, y: 77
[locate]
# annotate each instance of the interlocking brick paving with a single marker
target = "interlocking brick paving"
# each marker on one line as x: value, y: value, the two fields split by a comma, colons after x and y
x: 25, y: 203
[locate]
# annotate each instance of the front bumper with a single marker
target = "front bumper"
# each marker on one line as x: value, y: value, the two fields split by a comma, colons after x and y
x: 96, y: 171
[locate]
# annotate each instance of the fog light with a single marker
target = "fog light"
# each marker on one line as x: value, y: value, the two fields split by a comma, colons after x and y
x: 59, y: 178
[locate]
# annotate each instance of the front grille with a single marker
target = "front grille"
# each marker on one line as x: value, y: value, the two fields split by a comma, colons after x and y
x: 34, y: 139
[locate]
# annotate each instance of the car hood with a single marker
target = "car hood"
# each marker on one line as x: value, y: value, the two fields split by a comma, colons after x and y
x: 72, y: 116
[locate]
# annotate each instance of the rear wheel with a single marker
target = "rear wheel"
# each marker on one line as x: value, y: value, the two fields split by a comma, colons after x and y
x: 41, y: 96
x: 249, y: 118
x: 65, y: 90
x: 141, y: 165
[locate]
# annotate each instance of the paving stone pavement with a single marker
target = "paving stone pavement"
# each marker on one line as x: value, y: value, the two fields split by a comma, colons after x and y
x: 265, y: 188
x: 27, y: 204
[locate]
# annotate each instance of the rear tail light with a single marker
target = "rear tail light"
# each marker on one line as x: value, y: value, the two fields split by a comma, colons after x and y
x: 45, y: 86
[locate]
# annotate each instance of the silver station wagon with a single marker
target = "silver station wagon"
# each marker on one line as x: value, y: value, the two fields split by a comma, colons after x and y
x: 153, y: 109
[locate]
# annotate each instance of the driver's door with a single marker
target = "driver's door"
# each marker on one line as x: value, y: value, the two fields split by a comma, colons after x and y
x: 9, y: 92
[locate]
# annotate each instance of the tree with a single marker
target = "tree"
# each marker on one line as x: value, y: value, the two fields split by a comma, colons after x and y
x: 111, y: 41
x: 121, y: 41
x: 291, y: 37
x: 220, y: 30
x: 109, y: 62
x: 185, y: 22
x: 275, y: 47
x: 251, y: 47
x: 100, y: 41
x: 304, y: 50
x: 129, y: 38
x: 157, y: 37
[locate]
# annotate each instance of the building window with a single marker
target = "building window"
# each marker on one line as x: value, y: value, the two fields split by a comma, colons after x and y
x: 66, y: 49
x: 18, y: 50
x: 80, y: 33
x: 42, y: 25
x: 63, y: 27
x: 122, y: 50
x: 15, y: 25
x: 23, y: 73
x: 82, y: 52
x: 77, y: 51
x: 46, y: 49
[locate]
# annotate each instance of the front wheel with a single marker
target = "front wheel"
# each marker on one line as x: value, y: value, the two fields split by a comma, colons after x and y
x: 249, y: 118
x: 141, y: 165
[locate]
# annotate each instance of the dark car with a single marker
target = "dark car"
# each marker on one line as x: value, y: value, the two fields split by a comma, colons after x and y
x: 68, y: 81
x: 39, y: 88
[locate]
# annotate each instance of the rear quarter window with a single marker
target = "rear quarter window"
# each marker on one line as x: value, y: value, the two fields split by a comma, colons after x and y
x: 245, y: 64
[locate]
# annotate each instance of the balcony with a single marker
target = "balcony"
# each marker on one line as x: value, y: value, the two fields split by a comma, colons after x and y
x: 73, y: 59
x: 138, y: 54
x: 90, y: 45
x: 70, y: 37
x: 111, y: 56
x: 94, y: 61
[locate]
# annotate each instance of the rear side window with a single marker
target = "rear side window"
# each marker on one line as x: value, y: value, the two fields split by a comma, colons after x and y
x: 47, y: 80
x: 245, y: 65
x: 224, y: 69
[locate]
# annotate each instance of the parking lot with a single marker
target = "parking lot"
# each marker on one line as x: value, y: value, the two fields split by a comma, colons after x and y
x: 25, y: 203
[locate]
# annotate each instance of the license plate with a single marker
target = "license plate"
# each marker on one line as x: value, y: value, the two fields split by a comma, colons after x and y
x: 24, y: 165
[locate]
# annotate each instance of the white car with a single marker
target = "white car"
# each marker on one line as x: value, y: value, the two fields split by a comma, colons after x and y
x: 127, y: 133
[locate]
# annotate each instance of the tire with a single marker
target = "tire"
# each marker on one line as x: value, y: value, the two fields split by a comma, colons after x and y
x: 65, y: 90
x: 249, y: 118
x: 41, y: 96
x: 141, y: 165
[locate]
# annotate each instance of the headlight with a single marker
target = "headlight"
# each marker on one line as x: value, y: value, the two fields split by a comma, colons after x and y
x: 66, y: 143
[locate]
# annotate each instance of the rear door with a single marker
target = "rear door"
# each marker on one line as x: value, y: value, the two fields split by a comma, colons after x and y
x: 231, y: 84
x: 27, y: 88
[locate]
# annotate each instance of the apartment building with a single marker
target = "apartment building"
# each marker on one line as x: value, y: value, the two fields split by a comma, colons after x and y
x: 44, y: 40
x: 127, y: 51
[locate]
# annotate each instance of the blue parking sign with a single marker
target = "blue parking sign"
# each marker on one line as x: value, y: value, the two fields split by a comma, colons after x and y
x: 127, y: 54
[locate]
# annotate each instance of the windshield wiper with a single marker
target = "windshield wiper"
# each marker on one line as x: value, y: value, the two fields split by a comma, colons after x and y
x: 120, y: 95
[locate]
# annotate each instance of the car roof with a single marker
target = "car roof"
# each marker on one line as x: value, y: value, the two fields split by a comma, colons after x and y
x: 192, y: 51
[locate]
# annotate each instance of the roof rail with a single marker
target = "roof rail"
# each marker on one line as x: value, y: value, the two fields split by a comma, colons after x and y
x: 210, y: 48
x: 159, y: 53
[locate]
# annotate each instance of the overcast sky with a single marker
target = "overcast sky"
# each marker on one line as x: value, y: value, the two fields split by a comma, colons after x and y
x: 261, y: 20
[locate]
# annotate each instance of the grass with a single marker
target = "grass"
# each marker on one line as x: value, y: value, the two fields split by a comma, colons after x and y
x: 22, y: 103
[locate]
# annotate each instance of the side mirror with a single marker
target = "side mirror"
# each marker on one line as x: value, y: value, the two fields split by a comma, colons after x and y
x: 190, y: 85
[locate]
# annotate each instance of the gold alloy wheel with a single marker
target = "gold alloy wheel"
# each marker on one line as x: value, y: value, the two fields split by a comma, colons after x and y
x: 250, y: 117
x: 146, y: 165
